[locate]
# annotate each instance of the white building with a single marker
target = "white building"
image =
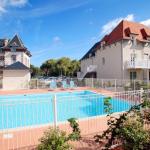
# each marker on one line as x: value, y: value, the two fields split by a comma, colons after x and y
x: 14, y: 64
x: 122, y: 54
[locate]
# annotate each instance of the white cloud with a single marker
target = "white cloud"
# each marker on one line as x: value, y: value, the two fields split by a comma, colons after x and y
x: 56, y: 39
x: 18, y: 3
x: 146, y: 22
x: 107, y: 28
x: 2, y: 10
x: 4, y: 4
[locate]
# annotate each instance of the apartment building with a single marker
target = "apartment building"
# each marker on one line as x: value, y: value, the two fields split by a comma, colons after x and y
x: 122, y: 54
x: 14, y: 64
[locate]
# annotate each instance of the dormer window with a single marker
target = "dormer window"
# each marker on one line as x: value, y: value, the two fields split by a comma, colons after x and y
x: 131, y: 34
x: 103, y: 43
x: 148, y: 38
x: 90, y: 55
x: 145, y: 34
x: 14, y: 44
x: 133, y: 38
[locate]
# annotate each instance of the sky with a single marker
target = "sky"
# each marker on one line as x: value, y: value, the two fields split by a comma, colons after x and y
x: 58, y: 28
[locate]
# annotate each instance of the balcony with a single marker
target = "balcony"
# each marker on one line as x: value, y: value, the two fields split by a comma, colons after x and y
x: 90, y: 68
x: 138, y: 64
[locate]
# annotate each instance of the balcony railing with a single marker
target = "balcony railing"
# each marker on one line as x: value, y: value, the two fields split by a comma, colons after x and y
x: 90, y: 68
x: 138, y: 64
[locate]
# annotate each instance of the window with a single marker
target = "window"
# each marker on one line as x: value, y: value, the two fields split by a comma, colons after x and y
x: 133, y: 38
x: 146, y: 56
x: 13, y: 58
x: 103, y: 61
x: 133, y: 56
x: 90, y: 55
x: 133, y: 75
x: 13, y: 49
x: 2, y: 58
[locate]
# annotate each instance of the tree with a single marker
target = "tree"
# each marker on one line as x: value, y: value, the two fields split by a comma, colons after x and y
x: 63, y: 66
x: 35, y: 71
x: 74, y: 67
x: 49, y: 67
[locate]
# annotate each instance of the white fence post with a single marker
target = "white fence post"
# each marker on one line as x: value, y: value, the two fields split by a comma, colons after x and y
x: 134, y: 85
x: 115, y: 85
x: 37, y: 81
x: 55, y: 111
x: 92, y: 83
x: 102, y: 82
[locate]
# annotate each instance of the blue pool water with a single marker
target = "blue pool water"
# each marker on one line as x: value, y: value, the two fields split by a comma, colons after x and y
x: 36, y: 109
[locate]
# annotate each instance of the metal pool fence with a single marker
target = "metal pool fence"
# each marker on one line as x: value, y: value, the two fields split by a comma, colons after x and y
x: 115, y: 85
x: 23, y: 121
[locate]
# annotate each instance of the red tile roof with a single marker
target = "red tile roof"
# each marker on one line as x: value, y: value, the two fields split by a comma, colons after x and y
x: 123, y: 31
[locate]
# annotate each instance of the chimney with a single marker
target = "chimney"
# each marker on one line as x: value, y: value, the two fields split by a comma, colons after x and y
x: 5, y: 42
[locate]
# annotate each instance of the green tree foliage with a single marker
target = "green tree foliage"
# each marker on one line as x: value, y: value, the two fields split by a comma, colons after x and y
x: 35, y: 71
x: 63, y: 66
x: 49, y: 68
x: 128, y: 128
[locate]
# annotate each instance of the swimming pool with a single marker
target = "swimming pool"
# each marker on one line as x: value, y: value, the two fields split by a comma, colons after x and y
x: 36, y: 109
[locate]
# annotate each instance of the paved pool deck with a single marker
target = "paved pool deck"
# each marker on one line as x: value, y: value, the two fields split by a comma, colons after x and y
x: 34, y: 91
x: 28, y: 137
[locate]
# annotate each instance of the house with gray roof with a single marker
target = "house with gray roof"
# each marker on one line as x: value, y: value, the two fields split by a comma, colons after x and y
x: 14, y: 64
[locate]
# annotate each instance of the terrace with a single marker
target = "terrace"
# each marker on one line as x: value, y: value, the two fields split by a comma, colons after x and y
x: 41, y: 108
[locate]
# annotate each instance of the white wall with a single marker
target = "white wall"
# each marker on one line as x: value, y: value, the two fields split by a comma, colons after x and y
x: 86, y: 62
x: 15, y: 79
x: 112, y: 69
x: 20, y: 56
x: 139, y: 49
x: 116, y: 56
x: 113, y: 62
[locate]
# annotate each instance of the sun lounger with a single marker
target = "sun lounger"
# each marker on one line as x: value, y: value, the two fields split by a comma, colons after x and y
x: 53, y: 84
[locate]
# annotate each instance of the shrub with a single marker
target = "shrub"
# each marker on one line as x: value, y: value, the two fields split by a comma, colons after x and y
x: 54, y: 139
x: 128, y: 129
x: 75, y: 135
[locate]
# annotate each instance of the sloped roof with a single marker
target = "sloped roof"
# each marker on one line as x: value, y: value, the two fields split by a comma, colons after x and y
x: 123, y: 31
x: 92, y: 50
x: 17, y: 66
x: 16, y: 41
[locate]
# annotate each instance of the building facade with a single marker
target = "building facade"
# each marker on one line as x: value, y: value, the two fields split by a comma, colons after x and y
x: 14, y: 64
x: 122, y: 54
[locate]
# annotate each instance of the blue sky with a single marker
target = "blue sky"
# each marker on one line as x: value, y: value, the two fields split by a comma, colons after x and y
x: 57, y: 28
